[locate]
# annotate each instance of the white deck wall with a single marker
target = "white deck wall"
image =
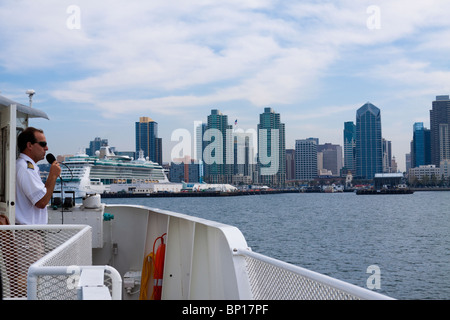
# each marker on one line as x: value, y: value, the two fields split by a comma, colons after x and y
x: 199, y: 253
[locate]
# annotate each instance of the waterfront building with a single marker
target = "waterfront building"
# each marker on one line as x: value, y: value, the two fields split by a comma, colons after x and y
x: 408, y: 161
x: 217, y: 168
x: 306, y: 159
x: 199, y: 146
x: 95, y: 145
x: 369, y: 148
x: 394, y: 167
x: 387, y: 156
x: 387, y: 180
x: 330, y: 158
x: 420, y: 145
x: 290, y: 164
x: 244, y: 157
x: 429, y: 172
x: 147, y: 139
x: 444, y: 169
x: 271, y: 149
x: 439, y: 127
x: 349, y: 147
x: 184, y: 170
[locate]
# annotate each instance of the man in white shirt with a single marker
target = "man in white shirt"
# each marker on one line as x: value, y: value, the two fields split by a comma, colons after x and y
x: 32, y: 195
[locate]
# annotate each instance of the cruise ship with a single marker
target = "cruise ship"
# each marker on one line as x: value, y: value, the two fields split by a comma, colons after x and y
x: 83, y: 174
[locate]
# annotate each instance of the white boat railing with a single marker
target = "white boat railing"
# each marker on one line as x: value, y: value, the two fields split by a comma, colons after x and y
x: 272, y: 279
x: 74, y: 283
x: 47, y: 262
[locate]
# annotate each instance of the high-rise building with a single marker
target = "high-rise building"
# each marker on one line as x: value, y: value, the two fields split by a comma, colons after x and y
x: 394, y: 167
x: 244, y: 154
x: 331, y: 157
x: 387, y: 156
x: 440, y: 131
x: 271, y: 148
x: 199, y: 146
x: 349, y: 147
x: 147, y: 139
x: 305, y: 159
x: 95, y: 145
x: 218, y: 149
x: 290, y: 164
x: 407, y: 161
x: 369, y: 147
x: 244, y: 166
x: 420, y: 146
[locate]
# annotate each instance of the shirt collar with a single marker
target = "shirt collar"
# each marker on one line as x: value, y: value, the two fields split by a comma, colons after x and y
x: 26, y: 158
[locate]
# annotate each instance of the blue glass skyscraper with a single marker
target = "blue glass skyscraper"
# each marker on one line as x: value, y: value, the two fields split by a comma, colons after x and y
x: 369, y: 147
x: 147, y: 139
x: 349, y: 147
x: 420, y: 146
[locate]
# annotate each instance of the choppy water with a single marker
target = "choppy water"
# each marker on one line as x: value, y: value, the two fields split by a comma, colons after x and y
x: 341, y: 234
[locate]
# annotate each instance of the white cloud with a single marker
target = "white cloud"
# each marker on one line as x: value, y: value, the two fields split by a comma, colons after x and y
x: 179, y: 46
x: 231, y: 58
x: 417, y: 78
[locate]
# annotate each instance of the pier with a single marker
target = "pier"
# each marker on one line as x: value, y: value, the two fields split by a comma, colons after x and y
x: 206, y: 193
x: 384, y: 191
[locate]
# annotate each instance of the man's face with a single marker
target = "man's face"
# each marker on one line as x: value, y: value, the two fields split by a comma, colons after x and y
x: 37, y: 151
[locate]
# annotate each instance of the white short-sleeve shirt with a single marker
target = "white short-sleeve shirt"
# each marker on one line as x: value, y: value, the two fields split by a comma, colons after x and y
x: 29, y: 190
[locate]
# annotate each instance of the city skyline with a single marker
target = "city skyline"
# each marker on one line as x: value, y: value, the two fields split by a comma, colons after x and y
x: 230, y: 132
x: 98, y: 66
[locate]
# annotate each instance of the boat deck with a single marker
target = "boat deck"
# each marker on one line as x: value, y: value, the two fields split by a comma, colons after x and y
x: 204, y: 260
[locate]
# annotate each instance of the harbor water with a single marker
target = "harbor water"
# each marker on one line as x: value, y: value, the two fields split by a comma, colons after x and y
x: 343, y: 235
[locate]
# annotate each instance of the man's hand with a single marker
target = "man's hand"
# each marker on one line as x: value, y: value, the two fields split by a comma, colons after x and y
x: 55, y: 171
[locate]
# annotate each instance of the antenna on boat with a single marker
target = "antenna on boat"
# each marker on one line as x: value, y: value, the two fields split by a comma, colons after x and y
x: 30, y: 93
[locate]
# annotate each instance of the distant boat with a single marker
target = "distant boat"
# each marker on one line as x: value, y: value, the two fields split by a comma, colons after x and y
x: 384, y: 191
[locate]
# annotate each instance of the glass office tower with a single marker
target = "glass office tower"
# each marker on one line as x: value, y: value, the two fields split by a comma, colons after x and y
x: 349, y: 147
x: 147, y: 139
x: 271, y: 148
x: 440, y: 131
x: 369, y: 148
x: 420, y: 146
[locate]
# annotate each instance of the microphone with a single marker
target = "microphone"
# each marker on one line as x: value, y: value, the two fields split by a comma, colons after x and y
x: 50, y: 158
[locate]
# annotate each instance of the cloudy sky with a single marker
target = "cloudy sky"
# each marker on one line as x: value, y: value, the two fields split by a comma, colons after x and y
x: 97, y: 66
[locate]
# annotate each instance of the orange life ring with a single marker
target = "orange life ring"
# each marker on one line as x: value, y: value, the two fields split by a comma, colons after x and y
x: 158, y: 267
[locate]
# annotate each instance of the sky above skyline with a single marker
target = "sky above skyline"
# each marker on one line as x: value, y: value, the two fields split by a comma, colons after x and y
x: 97, y: 66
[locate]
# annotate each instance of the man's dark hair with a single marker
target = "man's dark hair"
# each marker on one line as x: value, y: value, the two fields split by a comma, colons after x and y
x: 26, y: 136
